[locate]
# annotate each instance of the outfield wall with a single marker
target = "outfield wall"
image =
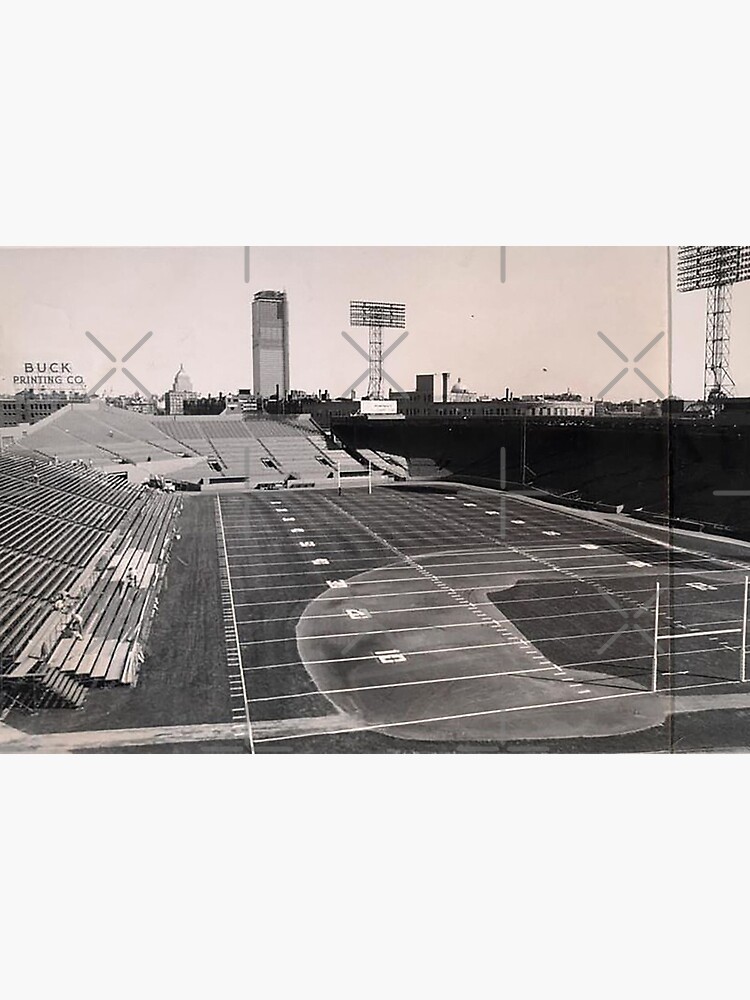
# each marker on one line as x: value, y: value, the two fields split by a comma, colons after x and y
x: 664, y: 466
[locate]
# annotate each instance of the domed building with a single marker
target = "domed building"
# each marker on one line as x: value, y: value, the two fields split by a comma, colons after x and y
x: 182, y: 381
x: 182, y: 389
x: 460, y: 394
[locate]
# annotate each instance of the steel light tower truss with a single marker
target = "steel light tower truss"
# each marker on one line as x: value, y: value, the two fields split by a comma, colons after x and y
x: 377, y: 316
x: 716, y: 269
x: 717, y: 382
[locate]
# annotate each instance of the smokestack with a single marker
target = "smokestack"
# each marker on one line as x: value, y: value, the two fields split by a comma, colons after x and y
x: 507, y: 392
x: 446, y: 376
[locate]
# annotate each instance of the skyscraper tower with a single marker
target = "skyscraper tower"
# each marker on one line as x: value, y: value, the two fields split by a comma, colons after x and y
x: 270, y: 344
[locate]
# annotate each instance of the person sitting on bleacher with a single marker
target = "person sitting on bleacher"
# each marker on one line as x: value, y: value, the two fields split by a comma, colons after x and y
x: 63, y: 602
x: 76, y: 624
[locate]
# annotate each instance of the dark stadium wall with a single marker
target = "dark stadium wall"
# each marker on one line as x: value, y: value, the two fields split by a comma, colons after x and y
x: 666, y: 467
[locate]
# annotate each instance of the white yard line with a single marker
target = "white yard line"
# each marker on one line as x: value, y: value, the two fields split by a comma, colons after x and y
x: 398, y: 684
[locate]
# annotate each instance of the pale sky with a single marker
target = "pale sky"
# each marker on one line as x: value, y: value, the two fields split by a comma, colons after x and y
x: 460, y: 316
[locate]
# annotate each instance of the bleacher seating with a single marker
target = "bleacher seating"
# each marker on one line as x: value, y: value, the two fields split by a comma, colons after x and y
x: 122, y: 600
x: 199, y: 428
x: 56, y: 522
x: 101, y: 434
x: 393, y: 465
x: 261, y: 449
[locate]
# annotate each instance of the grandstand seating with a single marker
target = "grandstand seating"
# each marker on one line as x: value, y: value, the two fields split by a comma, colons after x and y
x: 101, y: 434
x: 261, y: 449
x: 199, y: 428
x: 299, y: 457
x: 56, y: 523
x: 231, y: 448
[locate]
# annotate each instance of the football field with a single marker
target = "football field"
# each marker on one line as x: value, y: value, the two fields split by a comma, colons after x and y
x: 434, y: 615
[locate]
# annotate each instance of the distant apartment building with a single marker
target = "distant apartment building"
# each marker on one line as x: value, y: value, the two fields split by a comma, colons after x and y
x: 136, y: 404
x: 243, y: 401
x: 270, y: 344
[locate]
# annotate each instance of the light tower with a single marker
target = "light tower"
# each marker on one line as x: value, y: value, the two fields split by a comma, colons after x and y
x: 377, y: 316
x: 715, y: 269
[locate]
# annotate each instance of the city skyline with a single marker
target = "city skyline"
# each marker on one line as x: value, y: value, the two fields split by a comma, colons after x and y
x: 534, y: 332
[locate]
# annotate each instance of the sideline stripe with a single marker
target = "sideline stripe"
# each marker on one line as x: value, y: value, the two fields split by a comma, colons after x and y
x: 234, y: 627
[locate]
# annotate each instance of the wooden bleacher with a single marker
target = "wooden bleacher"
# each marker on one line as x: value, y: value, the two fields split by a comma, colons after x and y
x: 115, y: 611
x: 67, y: 531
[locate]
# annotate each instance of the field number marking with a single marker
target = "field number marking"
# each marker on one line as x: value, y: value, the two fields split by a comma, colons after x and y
x: 390, y: 656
